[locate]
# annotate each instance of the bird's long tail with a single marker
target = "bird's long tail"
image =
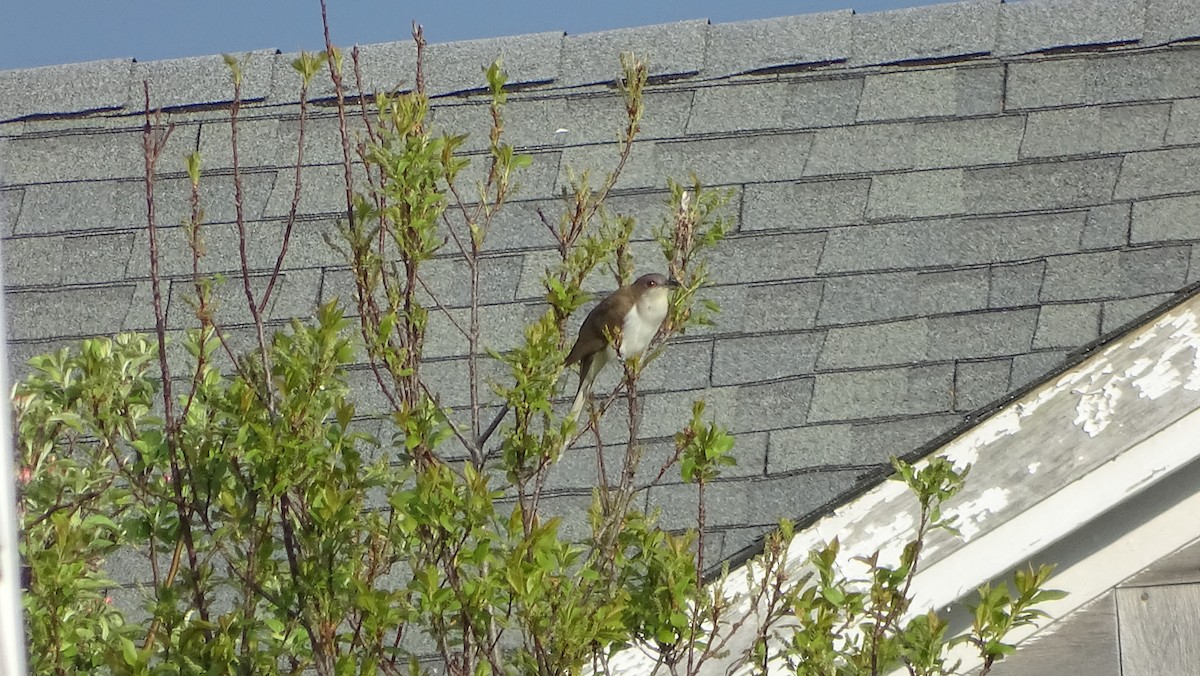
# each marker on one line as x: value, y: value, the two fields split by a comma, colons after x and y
x: 586, y: 375
x: 581, y: 396
x: 589, y: 368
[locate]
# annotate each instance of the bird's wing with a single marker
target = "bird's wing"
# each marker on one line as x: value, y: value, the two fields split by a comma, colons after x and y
x: 591, y: 341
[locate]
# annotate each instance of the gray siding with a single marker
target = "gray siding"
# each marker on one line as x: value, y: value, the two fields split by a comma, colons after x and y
x: 1149, y: 625
x: 1084, y: 643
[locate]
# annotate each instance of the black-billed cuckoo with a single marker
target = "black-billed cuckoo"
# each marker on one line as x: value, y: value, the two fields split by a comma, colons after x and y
x: 630, y: 316
x: 632, y: 313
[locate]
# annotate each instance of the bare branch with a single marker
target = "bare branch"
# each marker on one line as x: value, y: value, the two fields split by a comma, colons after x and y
x: 153, y: 143
x: 239, y: 217
x: 292, y: 210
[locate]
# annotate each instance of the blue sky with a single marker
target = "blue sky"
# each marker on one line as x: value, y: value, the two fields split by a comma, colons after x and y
x: 67, y: 31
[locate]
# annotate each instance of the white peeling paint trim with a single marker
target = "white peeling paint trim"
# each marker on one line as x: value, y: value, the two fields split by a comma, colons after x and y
x: 1024, y: 535
x: 1151, y: 376
x: 972, y: 513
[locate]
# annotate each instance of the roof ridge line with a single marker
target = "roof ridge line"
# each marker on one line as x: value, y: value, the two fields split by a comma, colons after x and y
x: 687, y: 50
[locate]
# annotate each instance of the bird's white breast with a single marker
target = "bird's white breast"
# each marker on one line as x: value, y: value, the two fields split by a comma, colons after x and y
x: 642, y: 322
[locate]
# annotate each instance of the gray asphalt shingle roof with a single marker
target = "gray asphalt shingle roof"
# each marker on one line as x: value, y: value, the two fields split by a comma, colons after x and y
x: 933, y: 208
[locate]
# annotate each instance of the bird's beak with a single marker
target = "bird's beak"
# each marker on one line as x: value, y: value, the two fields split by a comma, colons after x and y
x: 673, y: 283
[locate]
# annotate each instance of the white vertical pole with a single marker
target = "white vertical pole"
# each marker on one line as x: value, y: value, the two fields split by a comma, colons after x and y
x: 12, y: 626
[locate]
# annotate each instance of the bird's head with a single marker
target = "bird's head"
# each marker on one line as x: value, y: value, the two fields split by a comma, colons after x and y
x: 653, y: 289
x: 655, y: 281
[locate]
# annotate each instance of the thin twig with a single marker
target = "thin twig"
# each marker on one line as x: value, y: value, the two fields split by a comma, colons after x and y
x: 473, y: 348
x: 491, y: 428
x: 202, y: 311
x: 441, y: 306
x: 153, y: 144
x: 239, y: 217
x: 75, y: 504
x: 172, y: 571
x: 418, y: 33
x: 366, y: 304
x: 695, y: 620
x: 454, y: 428
x: 295, y: 206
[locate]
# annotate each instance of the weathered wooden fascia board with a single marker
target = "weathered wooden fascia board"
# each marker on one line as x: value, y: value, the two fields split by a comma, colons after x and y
x: 1181, y: 567
x: 1059, y: 457
x: 1136, y: 534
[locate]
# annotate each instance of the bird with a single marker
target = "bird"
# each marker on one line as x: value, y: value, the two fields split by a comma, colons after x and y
x: 630, y: 316
x: 634, y: 312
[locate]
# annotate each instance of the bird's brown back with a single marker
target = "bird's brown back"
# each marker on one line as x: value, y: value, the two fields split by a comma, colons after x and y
x: 591, y: 333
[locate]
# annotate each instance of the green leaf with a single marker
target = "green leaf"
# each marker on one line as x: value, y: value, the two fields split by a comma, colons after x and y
x: 193, y: 166
x: 834, y: 595
x: 235, y: 68
x: 99, y: 520
x: 129, y: 651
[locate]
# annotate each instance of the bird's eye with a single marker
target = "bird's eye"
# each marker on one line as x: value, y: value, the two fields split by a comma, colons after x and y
x: 652, y: 283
